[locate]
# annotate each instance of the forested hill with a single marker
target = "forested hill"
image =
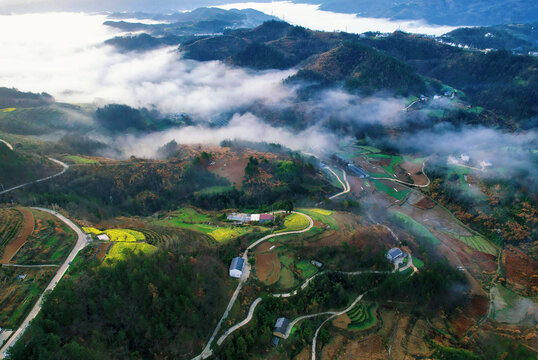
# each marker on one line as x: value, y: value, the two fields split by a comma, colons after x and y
x: 402, y: 63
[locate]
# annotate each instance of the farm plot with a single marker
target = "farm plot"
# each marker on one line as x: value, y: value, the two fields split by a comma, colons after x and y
x: 188, y: 218
x: 390, y: 190
x: 268, y: 267
x: 306, y: 268
x: 21, y: 287
x: 121, y: 250
x: 10, y: 224
x: 50, y: 242
x: 478, y: 242
x: 360, y: 317
x: 321, y: 215
x: 294, y: 222
x: 81, y: 160
x: 124, y: 235
x: 414, y: 227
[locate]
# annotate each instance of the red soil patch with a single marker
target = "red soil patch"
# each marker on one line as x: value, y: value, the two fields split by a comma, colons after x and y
x: 381, y: 161
x: 521, y: 270
x: 268, y: 267
x: 103, y: 248
x: 230, y: 164
x: 375, y: 237
x: 20, y: 239
x: 425, y: 203
x: 469, y: 316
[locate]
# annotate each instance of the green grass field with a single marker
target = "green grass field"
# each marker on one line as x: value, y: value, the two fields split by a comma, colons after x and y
x: 399, y: 195
x: 382, y: 156
x: 414, y: 227
x: 394, y: 161
x: 321, y: 215
x: 307, y: 269
x: 189, y: 218
x: 418, y: 263
x: 81, y: 160
x: 362, y: 316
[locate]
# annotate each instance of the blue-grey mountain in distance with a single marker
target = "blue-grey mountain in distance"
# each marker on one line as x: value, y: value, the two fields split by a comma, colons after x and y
x: 441, y: 12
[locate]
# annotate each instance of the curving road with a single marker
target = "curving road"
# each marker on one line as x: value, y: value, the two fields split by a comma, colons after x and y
x: 334, y: 314
x: 406, y: 183
x: 81, y: 243
x: 7, y: 144
x: 346, y: 186
x: 207, y: 352
x: 64, y: 165
x: 303, y: 286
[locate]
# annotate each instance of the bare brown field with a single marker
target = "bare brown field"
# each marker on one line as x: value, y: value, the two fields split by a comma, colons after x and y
x: 268, y: 267
x: 425, y: 203
x: 18, y: 241
x: 415, y: 171
x: 103, y: 248
x: 521, y: 271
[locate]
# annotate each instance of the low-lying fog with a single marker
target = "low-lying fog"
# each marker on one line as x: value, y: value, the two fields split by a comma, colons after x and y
x: 63, y: 54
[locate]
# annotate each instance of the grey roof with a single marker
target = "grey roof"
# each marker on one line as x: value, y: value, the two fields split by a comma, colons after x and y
x: 281, y: 325
x: 237, y: 264
x: 395, y: 252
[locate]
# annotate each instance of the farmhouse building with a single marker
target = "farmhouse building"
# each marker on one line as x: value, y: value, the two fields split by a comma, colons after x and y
x: 103, y: 237
x: 396, y: 255
x: 236, y: 267
x: 281, y: 327
x: 316, y: 263
x: 266, y: 217
x: 239, y: 217
x: 255, y: 217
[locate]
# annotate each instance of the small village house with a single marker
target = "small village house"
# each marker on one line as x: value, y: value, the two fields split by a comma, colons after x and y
x: 236, y: 267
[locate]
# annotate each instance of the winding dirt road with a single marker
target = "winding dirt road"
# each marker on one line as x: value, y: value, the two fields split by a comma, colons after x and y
x: 207, y: 352
x: 80, y: 244
x: 346, y: 186
x: 64, y: 165
x: 7, y: 144
x: 409, y: 184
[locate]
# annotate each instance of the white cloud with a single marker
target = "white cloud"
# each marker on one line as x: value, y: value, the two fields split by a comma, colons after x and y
x: 63, y: 54
x: 311, y: 17
x: 241, y: 127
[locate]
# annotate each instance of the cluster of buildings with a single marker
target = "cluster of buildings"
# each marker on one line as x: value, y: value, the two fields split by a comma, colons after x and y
x: 351, y: 167
x: 245, y: 218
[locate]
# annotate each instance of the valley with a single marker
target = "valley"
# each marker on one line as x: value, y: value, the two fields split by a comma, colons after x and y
x: 221, y: 184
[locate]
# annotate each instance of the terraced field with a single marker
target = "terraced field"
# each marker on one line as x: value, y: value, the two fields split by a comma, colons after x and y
x: 10, y: 223
x: 362, y: 316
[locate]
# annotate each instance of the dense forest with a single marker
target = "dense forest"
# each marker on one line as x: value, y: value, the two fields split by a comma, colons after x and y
x: 141, y: 187
x: 132, y: 309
